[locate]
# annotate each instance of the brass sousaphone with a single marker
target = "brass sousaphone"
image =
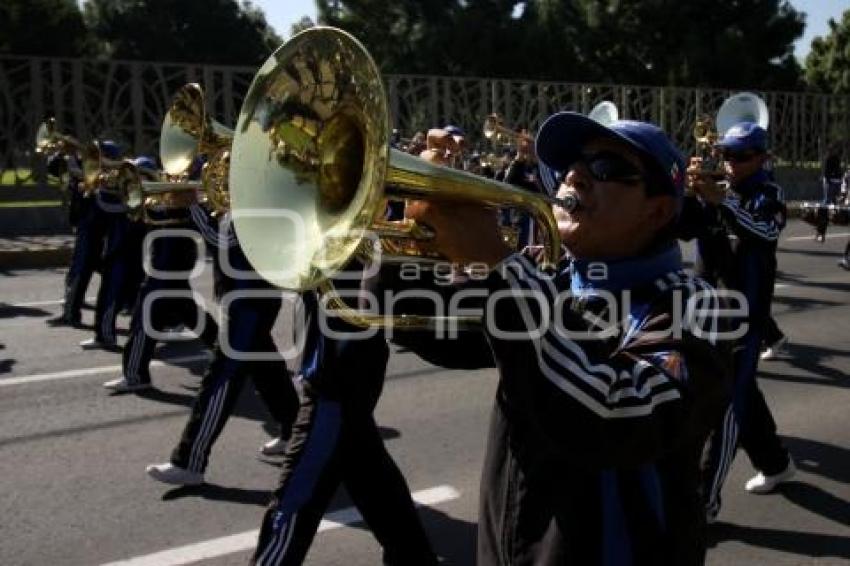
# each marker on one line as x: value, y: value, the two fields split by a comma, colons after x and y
x: 605, y: 113
x: 311, y: 168
x: 187, y: 132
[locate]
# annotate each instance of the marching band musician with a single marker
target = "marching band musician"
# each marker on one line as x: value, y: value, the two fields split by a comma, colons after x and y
x: 831, y: 180
x: 89, y: 223
x: 521, y: 171
x: 335, y: 440
x: 248, y: 322
x: 597, y: 431
x: 755, y: 213
x: 445, y: 146
x: 844, y: 262
x: 123, y: 238
x: 167, y: 253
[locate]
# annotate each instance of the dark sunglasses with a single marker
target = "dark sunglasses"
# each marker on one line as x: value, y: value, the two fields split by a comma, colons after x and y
x: 609, y: 167
x: 738, y: 157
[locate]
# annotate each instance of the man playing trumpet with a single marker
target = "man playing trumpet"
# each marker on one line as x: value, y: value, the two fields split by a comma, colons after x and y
x: 600, y: 418
x: 754, y: 211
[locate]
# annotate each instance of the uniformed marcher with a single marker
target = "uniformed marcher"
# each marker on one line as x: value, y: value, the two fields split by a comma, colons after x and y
x: 335, y: 441
x: 167, y: 253
x: 123, y: 238
x: 248, y: 323
x: 89, y: 223
x: 600, y: 418
x: 754, y: 211
x: 831, y: 181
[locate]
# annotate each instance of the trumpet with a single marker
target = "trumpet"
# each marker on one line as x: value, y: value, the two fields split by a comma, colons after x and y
x: 49, y: 140
x: 740, y: 107
x: 142, y: 197
x: 99, y: 172
x: 311, y: 169
x: 495, y: 131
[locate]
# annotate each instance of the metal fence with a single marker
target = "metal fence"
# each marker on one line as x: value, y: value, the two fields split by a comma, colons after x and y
x: 126, y: 101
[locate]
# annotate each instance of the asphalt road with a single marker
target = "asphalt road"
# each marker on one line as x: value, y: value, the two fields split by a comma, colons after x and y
x: 72, y: 457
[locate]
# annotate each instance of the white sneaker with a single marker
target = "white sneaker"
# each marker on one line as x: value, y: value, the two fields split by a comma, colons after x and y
x: 169, y: 473
x: 121, y: 385
x: 761, y: 483
x: 775, y: 350
x: 274, y: 447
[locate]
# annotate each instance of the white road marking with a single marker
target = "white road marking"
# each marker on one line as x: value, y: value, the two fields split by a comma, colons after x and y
x: 812, y: 237
x: 35, y: 378
x: 223, y: 546
x: 48, y: 303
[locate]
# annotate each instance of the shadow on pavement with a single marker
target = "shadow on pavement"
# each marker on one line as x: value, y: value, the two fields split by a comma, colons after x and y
x: 11, y: 311
x: 805, y: 282
x: 214, y: 492
x: 818, y: 501
x: 796, y: 304
x: 805, y: 544
x: 453, y: 539
x: 6, y: 365
x: 820, y: 458
x: 811, y: 359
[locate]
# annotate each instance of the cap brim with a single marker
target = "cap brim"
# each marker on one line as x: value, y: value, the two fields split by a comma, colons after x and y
x: 563, y: 135
x: 733, y: 145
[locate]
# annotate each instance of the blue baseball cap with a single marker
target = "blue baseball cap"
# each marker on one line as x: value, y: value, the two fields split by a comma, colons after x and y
x: 110, y: 149
x: 563, y: 135
x: 145, y: 162
x: 454, y: 131
x: 744, y: 136
x: 147, y: 166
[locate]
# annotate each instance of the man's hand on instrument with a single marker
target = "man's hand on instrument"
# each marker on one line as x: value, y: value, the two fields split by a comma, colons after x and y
x: 702, y: 183
x: 464, y: 233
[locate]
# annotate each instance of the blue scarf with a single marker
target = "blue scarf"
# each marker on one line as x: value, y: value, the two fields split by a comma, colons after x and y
x: 587, y: 275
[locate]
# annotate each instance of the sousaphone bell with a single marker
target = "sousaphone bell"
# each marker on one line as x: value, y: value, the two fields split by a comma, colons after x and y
x: 311, y: 170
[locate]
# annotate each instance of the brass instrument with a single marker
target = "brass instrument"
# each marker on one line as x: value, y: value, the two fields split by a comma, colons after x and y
x: 188, y: 131
x: 311, y: 169
x: 495, y: 131
x: 48, y: 140
x: 605, y: 113
x: 740, y: 107
x: 141, y: 196
x: 99, y: 172
x: 705, y: 140
x: 414, y: 145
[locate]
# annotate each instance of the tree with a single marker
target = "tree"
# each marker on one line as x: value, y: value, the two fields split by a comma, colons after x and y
x: 828, y: 63
x: 195, y: 31
x: 487, y: 38
x: 742, y: 44
x: 302, y: 24
x: 746, y: 43
x: 43, y: 27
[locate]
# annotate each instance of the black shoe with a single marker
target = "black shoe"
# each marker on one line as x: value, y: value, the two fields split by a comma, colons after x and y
x: 63, y: 320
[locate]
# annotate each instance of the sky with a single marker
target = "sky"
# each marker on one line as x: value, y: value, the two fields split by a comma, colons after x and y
x: 281, y: 14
